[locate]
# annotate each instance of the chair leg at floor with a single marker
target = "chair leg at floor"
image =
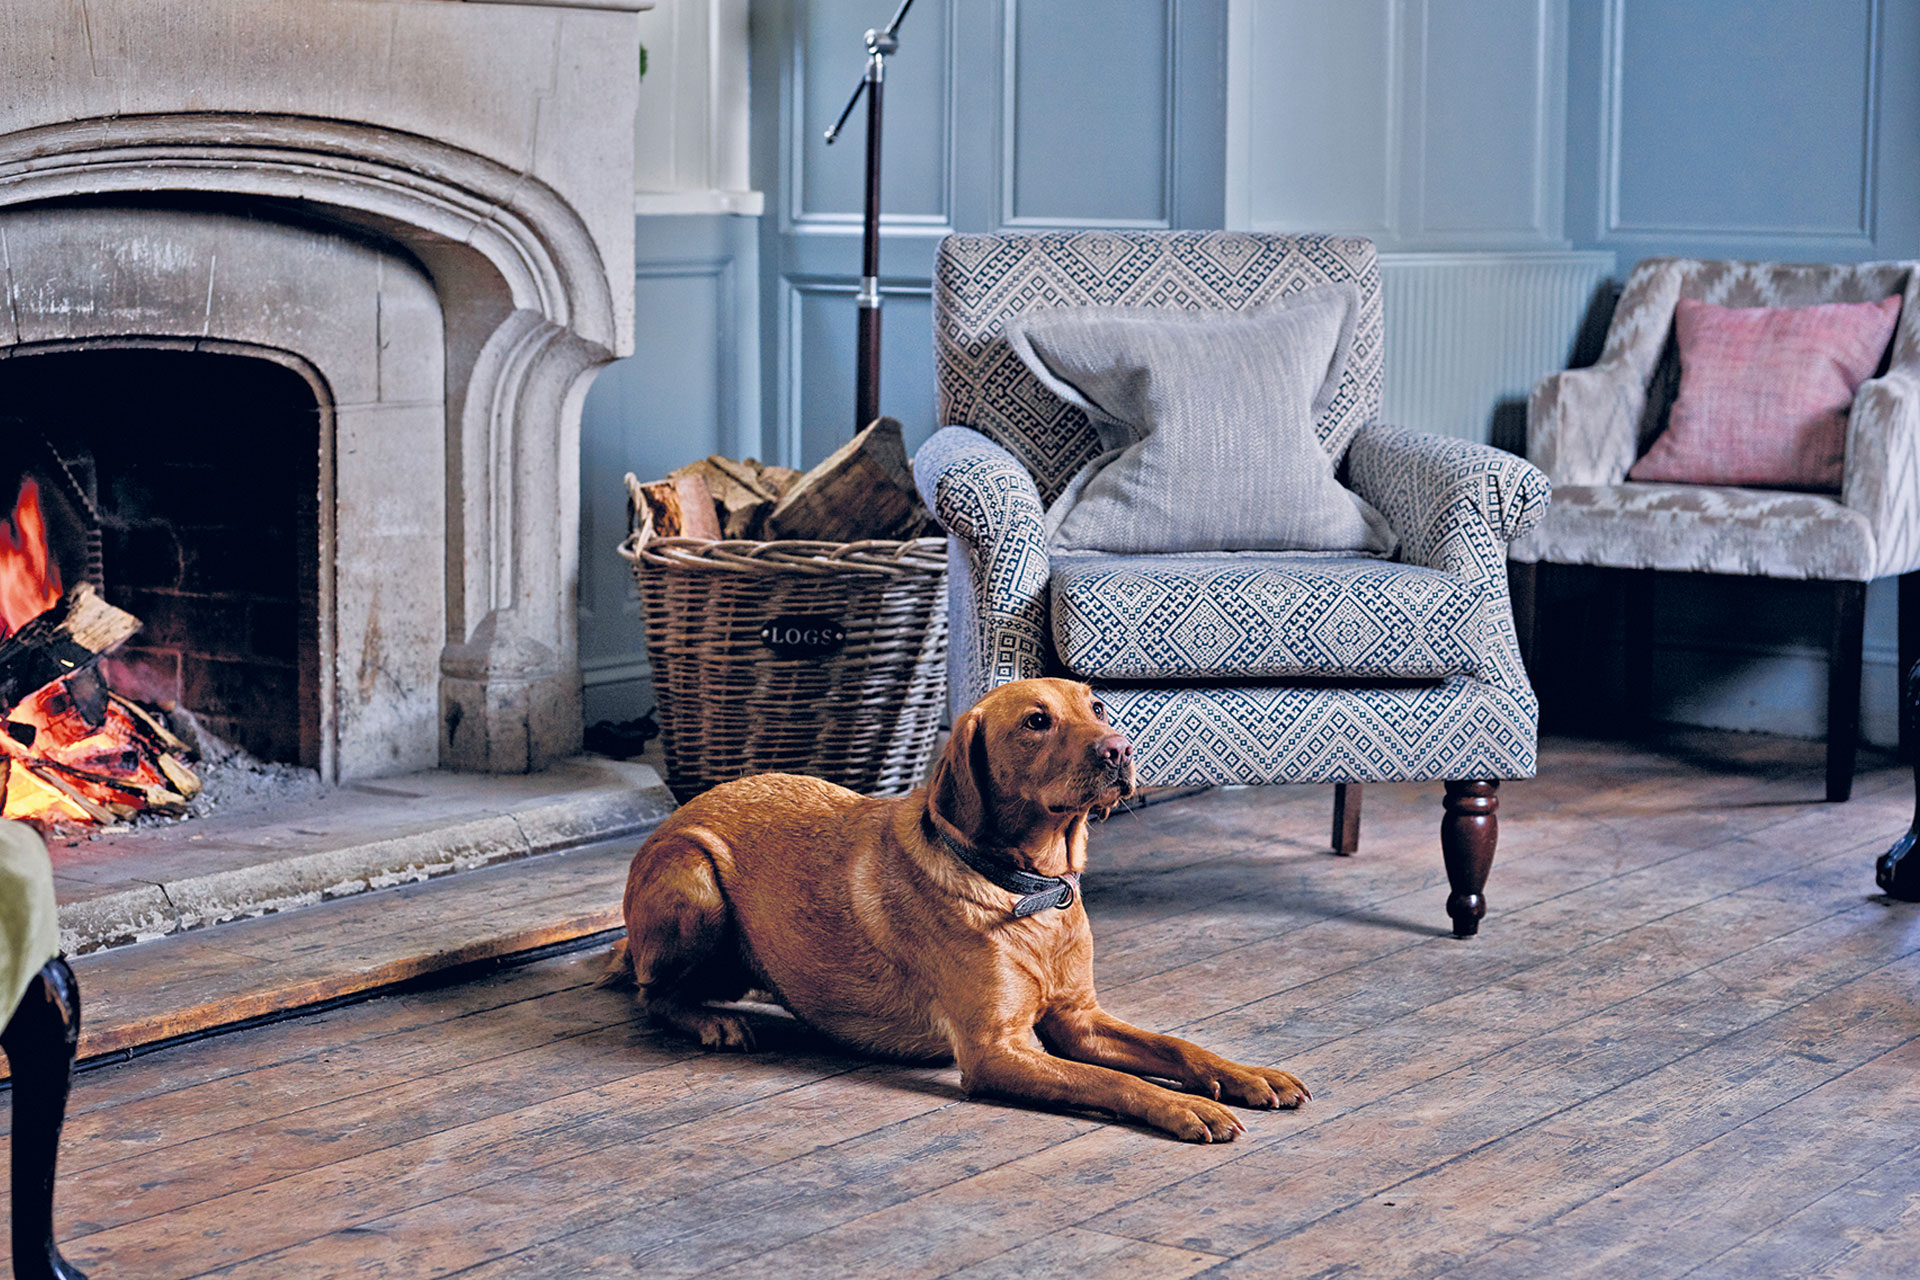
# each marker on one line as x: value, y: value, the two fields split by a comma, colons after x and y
x: 1346, y: 818
x: 1843, y: 686
x: 39, y: 1044
x: 1898, y: 871
x: 1468, y: 834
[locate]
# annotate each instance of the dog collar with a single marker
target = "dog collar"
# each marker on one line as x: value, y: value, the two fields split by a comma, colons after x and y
x: 1036, y: 893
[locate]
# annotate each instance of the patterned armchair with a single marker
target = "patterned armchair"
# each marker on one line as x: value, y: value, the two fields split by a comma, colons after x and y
x: 1368, y: 670
x: 1586, y: 427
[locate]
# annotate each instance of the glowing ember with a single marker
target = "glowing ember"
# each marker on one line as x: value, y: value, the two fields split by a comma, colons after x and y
x: 71, y: 750
x: 29, y: 580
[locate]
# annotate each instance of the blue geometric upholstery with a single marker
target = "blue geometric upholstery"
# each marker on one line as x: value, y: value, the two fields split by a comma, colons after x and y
x: 1254, y: 615
x: 1015, y: 613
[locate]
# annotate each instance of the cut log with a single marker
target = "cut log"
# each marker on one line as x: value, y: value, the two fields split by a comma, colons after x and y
x: 865, y: 490
x: 65, y: 639
x: 680, y: 507
x: 163, y: 738
x: 741, y: 501
x: 51, y: 777
x: 182, y: 779
x: 775, y: 480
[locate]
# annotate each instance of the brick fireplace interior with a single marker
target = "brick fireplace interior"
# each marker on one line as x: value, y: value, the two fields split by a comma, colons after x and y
x: 185, y: 485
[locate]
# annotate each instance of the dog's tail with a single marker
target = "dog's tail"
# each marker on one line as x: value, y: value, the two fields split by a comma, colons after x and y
x: 619, y: 971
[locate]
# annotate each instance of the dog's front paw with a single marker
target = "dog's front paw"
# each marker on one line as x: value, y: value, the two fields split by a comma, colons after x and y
x: 1197, y: 1120
x: 1264, y: 1088
x: 714, y: 1029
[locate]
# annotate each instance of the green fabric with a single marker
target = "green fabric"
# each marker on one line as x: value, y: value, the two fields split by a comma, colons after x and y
x: 29, y: 924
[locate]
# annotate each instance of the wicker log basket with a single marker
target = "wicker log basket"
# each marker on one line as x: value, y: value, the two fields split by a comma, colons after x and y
x: 820, y: 658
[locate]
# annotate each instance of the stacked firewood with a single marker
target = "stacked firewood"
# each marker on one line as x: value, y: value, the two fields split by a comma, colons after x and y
x: 863, y: 491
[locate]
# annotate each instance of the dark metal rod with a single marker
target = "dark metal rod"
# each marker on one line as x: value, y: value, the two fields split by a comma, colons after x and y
x: 867, y: 386
x: 880, y: 43
x: 885, y: 36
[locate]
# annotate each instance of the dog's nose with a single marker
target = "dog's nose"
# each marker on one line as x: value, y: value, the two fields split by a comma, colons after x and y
x: 1113, y: 749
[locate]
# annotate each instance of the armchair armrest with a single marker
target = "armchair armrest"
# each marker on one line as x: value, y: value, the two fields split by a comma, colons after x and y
x: 1583, y: 425
x: 1455, y: 504
x: 1882, y: 478
x: 988, y: 505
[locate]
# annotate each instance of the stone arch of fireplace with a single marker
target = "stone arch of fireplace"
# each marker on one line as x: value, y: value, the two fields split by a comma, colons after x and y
x: 452, y: 306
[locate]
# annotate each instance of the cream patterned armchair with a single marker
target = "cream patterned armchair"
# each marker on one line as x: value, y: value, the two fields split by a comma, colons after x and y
x: 1241, y: 667
x: 1586, y: 427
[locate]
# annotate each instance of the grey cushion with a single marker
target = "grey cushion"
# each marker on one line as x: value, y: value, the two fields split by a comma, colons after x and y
x: 1208, y: 423
x: 1702, y: 528
x: 1261, y: 615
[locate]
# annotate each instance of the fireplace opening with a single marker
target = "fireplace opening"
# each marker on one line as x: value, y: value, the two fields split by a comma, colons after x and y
x: 184, y: 486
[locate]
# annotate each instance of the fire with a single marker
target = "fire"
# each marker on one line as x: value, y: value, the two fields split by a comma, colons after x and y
x: 29, y: 580
x: 71, y: 750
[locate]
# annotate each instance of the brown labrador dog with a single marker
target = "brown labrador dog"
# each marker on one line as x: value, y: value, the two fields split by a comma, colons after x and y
x: 947, y: 924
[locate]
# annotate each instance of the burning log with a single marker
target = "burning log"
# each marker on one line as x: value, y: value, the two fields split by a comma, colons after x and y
x: 72, y: 748
x: 66, y: 639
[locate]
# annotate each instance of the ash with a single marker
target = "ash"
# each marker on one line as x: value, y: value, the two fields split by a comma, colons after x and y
x: 232, y: 781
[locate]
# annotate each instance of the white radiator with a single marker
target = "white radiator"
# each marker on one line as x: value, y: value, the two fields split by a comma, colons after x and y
x: 1468, y: 331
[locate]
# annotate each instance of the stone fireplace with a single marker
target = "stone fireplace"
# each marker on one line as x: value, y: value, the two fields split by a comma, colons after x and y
x: 314, y: 291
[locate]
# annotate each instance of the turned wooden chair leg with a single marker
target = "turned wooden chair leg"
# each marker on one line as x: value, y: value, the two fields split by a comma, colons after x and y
x: 1843, y: 686
x: 1346, y: 818
x: 39, y: 1044
x: 1468, y: 834
x: 1898, y: 871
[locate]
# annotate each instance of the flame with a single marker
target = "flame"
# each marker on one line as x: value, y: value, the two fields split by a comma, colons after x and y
x: 29, y: 580
x: 60, y: 762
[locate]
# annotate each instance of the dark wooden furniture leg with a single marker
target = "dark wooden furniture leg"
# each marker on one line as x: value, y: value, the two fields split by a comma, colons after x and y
x: 1898, y: 871
x: 1468, y: 834
x: 1638, y: 610
x: 39, y: 1043
x: 1523, y: 587
x: 1909, y: 654
x: 1843, y: 686
x: 1346, y: 818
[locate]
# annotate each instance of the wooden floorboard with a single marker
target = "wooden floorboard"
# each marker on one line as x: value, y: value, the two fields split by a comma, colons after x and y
x: 1682, y: 1046
x: 208, y: 978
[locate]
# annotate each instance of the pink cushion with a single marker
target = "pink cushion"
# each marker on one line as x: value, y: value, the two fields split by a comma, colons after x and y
x: 1764, y: 393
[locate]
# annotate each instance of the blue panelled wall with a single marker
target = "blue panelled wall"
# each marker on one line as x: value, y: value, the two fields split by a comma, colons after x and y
x: 1508, y: 155
x: 999, y: 113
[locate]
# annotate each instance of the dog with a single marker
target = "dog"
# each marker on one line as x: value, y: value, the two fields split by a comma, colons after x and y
x: 945, y: 925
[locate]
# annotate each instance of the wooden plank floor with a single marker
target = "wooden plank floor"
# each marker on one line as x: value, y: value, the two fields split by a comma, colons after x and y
x: 1684, y: 1045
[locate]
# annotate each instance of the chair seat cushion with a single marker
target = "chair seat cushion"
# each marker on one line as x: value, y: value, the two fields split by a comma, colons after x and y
x: 1261, y: 616
x: 1703, y: 529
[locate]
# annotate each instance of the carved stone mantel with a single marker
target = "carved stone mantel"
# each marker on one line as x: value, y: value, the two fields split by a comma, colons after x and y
x: 388, y: 158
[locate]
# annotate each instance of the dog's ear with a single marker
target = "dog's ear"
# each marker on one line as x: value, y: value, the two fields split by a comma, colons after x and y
x: 962, y: 785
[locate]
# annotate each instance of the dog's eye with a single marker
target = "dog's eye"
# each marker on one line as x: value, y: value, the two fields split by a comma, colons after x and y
x: 1039, y: 721
x: 1100, y: 711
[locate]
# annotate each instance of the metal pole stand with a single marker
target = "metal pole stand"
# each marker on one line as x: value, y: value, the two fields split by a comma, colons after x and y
x: 881, y: 43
